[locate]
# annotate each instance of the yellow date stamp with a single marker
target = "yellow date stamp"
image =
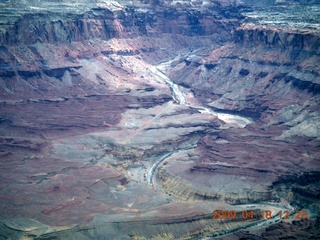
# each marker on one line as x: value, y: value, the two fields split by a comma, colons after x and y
x: 263, y: 214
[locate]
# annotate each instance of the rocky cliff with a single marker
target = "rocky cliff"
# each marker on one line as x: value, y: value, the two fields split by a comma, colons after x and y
x: 118, y: 22
x: 307, y: 40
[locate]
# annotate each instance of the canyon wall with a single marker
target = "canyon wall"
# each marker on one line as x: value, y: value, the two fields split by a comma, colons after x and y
x: 125, y: 22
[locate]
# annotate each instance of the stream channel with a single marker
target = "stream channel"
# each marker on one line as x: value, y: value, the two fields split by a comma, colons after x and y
x: 230, y: 119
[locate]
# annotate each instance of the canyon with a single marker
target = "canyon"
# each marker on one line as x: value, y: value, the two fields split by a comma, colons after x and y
x: 138, y: 119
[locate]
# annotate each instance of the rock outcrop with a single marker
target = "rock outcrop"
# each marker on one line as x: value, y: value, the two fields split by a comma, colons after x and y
x: 293, y: 39
x: 123, y: 22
